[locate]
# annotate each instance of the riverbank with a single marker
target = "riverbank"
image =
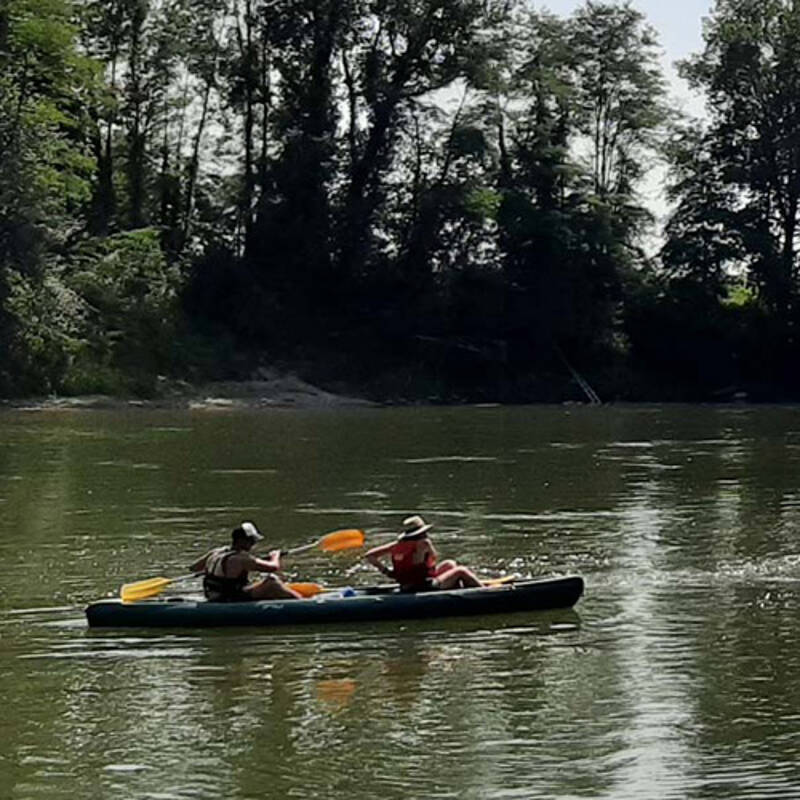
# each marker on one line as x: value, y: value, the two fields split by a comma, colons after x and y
x: 265, y: 390
x: 271, y: 387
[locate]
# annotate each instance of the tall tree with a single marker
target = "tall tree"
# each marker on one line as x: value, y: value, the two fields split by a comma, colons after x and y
x: 142, y: 44
x: 750, y: 74
x: 576, y: 112
x: 398, y: 53
x: 620, y: 91
x: 293, y: 237
x: 203, y: 61
x: 703, y: 244
x: 622, y: 116
x: 45, y: 87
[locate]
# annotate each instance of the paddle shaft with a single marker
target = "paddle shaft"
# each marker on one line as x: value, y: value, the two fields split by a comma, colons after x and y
x: 186, y: 577
x: 295, y: 550
x: 309, y: 589
x: 331, y: 542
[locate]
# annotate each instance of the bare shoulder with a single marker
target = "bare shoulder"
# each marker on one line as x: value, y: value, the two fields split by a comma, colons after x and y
x: 244, y: 559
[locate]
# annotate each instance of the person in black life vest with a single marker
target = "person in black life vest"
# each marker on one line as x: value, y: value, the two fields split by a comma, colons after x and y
x: 413, y: 561
x: 226, y: 570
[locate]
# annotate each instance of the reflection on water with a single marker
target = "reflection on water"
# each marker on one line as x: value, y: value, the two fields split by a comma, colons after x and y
x: 336, y: 692
x: 265, y: 702
x: 675, y: 677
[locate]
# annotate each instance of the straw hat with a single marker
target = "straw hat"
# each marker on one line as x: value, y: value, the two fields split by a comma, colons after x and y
x: 414, y: 527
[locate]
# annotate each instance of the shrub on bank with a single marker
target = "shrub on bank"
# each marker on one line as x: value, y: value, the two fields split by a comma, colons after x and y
x: 102, y: 320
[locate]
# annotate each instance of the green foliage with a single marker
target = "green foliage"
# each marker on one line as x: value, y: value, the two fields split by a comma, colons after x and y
x: 45, y: 173
x: 732, y: 237
x: 703, y: 241
x: 619, y: 94
x: 482, y: 202
x: 104, y: 322
x: 751, y: 75
x: 296, y: 175
x: 48, y: 332
x: 581, y: 105
x: 131, y: 292
x: 44, y: 169
x: 740, y: 296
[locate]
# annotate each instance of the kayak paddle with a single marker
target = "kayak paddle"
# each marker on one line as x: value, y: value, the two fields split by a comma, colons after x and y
x: 347, y: 539
x: 307, y: 589
x: 130, y: 592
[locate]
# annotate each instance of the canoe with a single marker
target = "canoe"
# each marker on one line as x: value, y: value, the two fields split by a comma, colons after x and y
x: 367, y: 604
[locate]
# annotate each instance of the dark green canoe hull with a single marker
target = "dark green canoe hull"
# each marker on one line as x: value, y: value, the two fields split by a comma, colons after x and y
x: 368, y: 606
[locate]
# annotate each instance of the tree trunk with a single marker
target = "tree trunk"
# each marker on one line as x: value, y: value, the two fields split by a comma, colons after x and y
x: 194, y: 165
x: 362, y: 196
x: 789, y: 255
x: 136, y: 137
x: 245, y: 42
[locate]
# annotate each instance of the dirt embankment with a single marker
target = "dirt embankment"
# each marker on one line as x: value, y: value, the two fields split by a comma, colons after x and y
x: 266, y: 390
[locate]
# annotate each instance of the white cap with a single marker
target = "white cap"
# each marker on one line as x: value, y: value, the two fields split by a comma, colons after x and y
x: 251, y: 532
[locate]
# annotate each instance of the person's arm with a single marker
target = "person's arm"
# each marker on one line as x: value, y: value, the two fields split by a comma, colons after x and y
x: 200, y: 564
x: 272, y: 563
x: 434, y: 556
x: 375, y: 555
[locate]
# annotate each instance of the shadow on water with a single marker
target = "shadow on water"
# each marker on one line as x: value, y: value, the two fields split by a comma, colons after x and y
x: 352, y: 703
x: 482, y: 629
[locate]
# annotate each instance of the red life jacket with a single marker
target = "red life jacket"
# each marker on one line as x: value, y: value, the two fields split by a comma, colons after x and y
x: 406, y: 571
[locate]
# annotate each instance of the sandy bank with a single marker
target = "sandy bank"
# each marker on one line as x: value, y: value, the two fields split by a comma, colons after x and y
x: 272, y: 391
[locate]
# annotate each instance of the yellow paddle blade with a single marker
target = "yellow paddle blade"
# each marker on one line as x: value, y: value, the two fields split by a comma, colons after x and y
x: 500, y: 581
x: 142, y: 589
x: 307, y: 589
x: 348, y: 539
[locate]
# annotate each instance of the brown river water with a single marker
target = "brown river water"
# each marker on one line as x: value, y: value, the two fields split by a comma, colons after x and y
x: 676, y: 676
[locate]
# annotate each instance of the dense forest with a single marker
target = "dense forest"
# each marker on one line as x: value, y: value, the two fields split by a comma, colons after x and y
x: 412, y: 199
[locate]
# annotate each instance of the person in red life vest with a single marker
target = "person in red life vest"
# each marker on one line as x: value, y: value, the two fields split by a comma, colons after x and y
x: 225, y: 570
x: 413, y: 561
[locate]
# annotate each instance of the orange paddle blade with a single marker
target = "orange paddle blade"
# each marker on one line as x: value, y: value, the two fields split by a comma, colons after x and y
x: 348, y: 539
x: 336, y: 691
x: 305, y: 589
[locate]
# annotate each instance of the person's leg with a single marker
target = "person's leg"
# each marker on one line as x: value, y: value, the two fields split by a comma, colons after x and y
x: 457, y: 577
x: 272, y: 588
x: 445, y: 566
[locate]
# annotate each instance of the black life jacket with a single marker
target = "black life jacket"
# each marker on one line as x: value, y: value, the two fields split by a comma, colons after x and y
x: 216, y: 585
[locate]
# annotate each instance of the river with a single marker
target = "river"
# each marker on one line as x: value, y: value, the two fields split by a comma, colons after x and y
x: 676, y: 676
